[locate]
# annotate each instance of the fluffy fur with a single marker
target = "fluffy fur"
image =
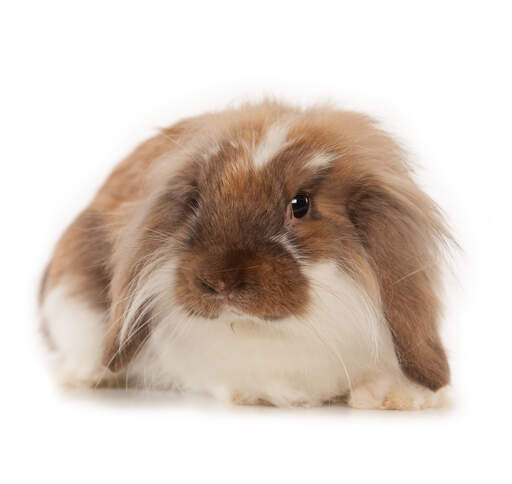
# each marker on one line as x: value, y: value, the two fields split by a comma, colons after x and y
x: 189, y: 269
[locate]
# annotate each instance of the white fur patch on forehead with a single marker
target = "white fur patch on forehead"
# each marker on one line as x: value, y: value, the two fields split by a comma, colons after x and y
x: 273, y: 141
x: 321, y: 160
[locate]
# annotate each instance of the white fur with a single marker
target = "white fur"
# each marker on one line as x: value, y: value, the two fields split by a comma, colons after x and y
x: 395, y: 392
x: 284, y: 241
x: 275, y: 139
x: 342, y: 346
x: 273, y: 142
x: 75, y: 332
x: 293, y: 361
x: 320, y: 160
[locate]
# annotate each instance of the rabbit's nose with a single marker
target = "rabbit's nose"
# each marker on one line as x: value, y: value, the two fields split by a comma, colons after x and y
x: 223, y: 283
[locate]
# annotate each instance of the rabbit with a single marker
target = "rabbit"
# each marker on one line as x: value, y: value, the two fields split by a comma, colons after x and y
x: 264, y: 254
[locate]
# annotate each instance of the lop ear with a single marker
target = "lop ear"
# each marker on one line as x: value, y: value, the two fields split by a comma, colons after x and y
x: 139, y: 276
x: 403, y: 234
x: 132, y: 297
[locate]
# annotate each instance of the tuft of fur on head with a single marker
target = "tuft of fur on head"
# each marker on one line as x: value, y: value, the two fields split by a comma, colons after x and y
x: 211, y: 281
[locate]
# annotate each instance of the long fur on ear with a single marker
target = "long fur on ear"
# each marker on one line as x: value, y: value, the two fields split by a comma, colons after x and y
x: 404, y: 235
x: 138, y: 237
x: 129, y: 317
x: 134, y: 292
x: 120, y: 348
x: 140, y: 277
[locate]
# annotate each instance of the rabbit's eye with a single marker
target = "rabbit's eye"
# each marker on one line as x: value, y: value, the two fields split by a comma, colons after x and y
x: 300, y: 205
x: 193, y: 204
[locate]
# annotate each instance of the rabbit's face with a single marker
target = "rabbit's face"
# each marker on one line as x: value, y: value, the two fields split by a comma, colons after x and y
x: 256, y: 210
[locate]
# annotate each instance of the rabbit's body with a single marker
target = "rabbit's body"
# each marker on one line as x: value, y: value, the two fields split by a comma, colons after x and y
x: 191, y: 268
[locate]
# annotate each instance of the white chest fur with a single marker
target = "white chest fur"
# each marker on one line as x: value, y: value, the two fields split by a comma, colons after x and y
x: 294, y: 361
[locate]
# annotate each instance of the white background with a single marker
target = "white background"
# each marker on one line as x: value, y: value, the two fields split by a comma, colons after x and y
x: 82, y: 82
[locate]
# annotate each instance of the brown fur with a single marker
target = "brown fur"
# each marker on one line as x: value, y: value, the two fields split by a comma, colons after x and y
x: 367, y: 214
